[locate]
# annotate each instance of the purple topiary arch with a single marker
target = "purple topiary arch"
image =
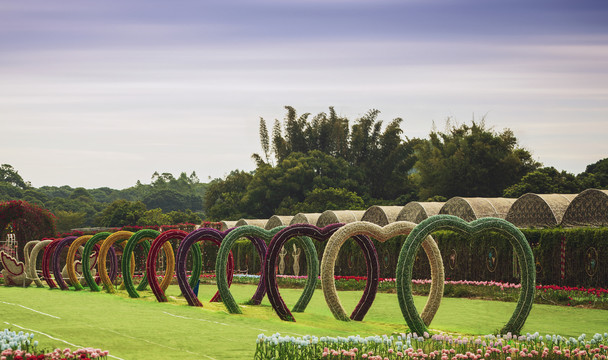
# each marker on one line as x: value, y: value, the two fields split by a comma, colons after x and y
x: 311, y: 231
x: 202, y: 234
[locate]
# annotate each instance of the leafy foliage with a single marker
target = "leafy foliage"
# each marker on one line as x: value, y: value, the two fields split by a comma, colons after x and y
x: 470, y: 160
x: 547, y: 180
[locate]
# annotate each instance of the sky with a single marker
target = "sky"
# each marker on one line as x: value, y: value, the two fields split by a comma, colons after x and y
x: 105, y: 93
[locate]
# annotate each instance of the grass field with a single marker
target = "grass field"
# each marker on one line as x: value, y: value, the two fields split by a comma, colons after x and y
x: 145, y: 329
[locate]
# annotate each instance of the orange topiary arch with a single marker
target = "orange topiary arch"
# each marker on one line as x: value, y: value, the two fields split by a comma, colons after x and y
x: 29, y: 222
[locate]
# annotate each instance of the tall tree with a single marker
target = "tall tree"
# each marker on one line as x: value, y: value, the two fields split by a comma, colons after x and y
x: 596, y: 174
x: 547, y: 180
x: 224, y: 197
x: 470, y: 160
x: 11, y: 176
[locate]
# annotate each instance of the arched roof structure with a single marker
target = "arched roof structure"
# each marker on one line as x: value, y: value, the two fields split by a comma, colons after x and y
x: 305, y: 218
x: 417, y: 211
x: 339, y: 216
x: 470, y: 209
x: 255, y: 222
x: 539, y: 210
x: 589, y: 208
x: 227, y: 224
x: 381, y: 215
x: 278, y: 220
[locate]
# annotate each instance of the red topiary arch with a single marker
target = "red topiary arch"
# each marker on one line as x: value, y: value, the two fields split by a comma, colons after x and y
x: 29, y: 222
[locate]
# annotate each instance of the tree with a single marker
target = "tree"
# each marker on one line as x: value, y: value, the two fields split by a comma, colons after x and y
x: 68, y: 220
x: 120, y: 213
x: 11, y: 176
x: 223, y: 198
x: 294, y: 178
x: 154, y: 217
x: 170, y: 200
x: 547, y: 180
x: 182, y: 217
x: 470, y: 161
x: 596, y: 174
x: 319, y: 200
x: 367, y: 148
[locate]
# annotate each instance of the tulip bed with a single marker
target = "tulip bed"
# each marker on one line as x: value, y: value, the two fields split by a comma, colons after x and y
x: 22, y: 346
x: 440, y: 346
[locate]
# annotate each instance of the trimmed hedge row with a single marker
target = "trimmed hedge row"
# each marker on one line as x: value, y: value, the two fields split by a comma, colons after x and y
x: 483, y: 257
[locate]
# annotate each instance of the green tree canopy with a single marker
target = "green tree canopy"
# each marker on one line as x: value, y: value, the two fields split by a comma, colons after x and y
x: 121, y: 213
x: 595, y: 175
x: 11, y: 176
x: 470, y: 160
x: 319, y: 200
x: 547, y: 180
x: 368, y: 148
x: 223, y: 198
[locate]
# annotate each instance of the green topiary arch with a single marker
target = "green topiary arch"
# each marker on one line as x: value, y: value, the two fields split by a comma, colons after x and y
x: 410, y: 247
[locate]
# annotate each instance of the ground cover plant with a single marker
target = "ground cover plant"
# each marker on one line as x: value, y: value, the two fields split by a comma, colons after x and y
x: 143, y: 328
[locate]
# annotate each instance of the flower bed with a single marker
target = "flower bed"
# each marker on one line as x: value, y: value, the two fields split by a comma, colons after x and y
x: 441, y: 346
x: 21, y: 346
x: 596, y: 298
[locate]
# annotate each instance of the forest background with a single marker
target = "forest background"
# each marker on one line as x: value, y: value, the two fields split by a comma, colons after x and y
x: 313, y: 163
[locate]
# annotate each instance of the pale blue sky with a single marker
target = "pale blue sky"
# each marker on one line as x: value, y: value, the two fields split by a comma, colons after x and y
x: 105, y: 93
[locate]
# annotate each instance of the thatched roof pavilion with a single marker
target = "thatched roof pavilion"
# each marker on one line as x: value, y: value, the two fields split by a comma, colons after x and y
x: 339, y: 216
x: 305, y: 218
x: 470, y: 209
x: 417, y: 211
x: 539, y: 210
x: 255, y: 222
x: 227, y: 224
x: 278, y: 220
x: 381, y: 215
x: 589, y: 208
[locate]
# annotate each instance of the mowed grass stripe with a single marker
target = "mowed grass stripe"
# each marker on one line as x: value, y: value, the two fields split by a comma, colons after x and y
x: 143, y: 328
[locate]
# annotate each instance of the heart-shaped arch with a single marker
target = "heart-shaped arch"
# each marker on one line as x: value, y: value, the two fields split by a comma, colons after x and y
x: 56, y: 261
x: 258, y: 237
x: 157, y: 244
x: 118, y: 237
x: 203, y: 234
x: 86, y: 266
x: 70, y: 264
x: 381, y: 234
x: 46, y: 258
x: 33, y: 258
x: 517, y: 239
x: 319, y: 234
x: 142, y: 237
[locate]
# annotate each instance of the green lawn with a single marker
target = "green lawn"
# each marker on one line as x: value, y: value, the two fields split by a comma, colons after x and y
x: 144, y: 329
